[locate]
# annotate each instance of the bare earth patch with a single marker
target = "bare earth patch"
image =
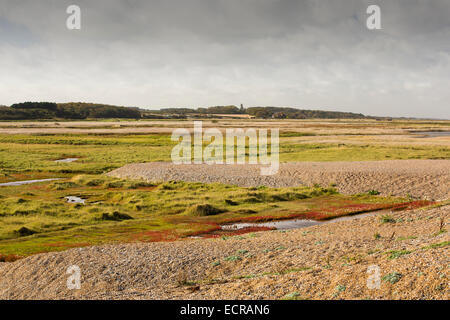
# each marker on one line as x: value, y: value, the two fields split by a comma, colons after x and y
x: 422, y: 179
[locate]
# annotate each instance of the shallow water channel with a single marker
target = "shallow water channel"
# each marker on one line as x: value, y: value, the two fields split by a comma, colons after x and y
x: 19, y: 183
x: 431, y: 134
x: 294, y: 223
x: 67, y: 160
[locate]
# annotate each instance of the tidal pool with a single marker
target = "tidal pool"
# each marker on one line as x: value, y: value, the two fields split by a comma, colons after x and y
x: 67, y: 160
x: 293, y: 223
x: 74, y: 199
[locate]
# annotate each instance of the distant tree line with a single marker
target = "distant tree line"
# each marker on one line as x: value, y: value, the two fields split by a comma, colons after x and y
x: 72, y: 110
x: 209, y: 110
x: 293, y: 113
x: 266, y: 112
x: 80, y: 111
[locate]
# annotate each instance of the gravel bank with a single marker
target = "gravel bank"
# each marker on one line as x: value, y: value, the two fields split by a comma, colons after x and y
x: 424, y: 179
x: 328, y: 261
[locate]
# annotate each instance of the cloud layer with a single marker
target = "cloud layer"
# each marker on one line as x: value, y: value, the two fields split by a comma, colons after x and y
x: 309, y: 54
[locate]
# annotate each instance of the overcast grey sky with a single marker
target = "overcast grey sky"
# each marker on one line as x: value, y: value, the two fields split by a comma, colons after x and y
x: 187, y: 53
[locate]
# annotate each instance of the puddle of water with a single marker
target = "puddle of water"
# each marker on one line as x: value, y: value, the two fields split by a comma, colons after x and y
x: 279, y: 225
x: 73, y: 199
x: 19, y: 183
x: 293, y: 223
x: 431, y: 134
x: 67, y: 160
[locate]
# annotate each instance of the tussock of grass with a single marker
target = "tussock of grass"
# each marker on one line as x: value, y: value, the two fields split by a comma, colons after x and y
x: 246, y: 211
x: 233, y: 258
x: 23, y: 232
x: 63, y: 185
x: 115, y: 216
x: 231, y: 202
x: 392, y: 278
x: 140, y: 184
x: 114, y: 184
x: 202, y: 210
x: 280, y: 196
x: 88, y: 180
x: 387, y: 219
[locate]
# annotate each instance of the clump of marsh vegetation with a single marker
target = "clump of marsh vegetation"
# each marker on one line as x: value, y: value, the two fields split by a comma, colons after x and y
x: 387, y: 219
x: 392, y: 278
x: 397, y: 254
x: 246, y: 211
x: 114, y: 184
x: 231, y: 202
x: 115, y: 216
x: 63, y: 185
x: 201, y: 210
x: 437, y: 245
x: 273, y: 195
x: 338, y: 290
x: 24, y: 231
x: 232, y: 258
x: 95, y: 182
x: 88, y: 180
x: 171, y: 185
x: 107, y: 182
x: 140, y: 184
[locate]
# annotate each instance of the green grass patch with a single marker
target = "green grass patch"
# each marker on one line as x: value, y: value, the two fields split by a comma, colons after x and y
x: 397, y: 254
x: 437, y: 245
x: 392, y: 278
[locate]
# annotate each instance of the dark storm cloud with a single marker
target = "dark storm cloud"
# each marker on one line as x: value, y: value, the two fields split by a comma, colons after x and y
x: 311, y: 54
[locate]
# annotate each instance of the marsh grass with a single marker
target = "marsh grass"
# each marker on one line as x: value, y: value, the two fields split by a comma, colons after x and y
x: 118, y: 210
x: 159, y: 211
x: 99, y: 153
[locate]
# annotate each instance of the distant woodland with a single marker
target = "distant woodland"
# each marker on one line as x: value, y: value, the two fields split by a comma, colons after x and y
x: 80, y: 111
x: 75, y: 111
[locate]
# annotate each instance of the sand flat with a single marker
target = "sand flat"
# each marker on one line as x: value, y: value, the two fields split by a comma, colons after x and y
x: 421, y: 179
